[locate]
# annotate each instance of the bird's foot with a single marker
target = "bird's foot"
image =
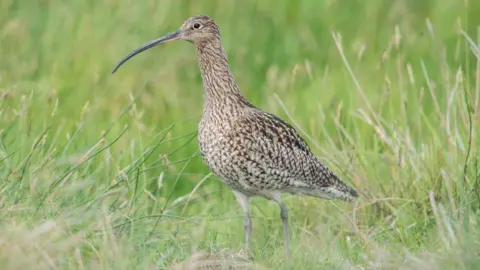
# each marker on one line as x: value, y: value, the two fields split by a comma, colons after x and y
x: 246, y: 254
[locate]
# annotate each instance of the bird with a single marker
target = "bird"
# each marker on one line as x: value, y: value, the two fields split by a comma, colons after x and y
x: 253, y: 152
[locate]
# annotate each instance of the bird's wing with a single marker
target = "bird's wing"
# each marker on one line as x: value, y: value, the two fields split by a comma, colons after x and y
x: 276, y: 154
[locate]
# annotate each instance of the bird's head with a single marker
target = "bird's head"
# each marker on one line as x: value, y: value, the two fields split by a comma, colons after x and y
x: 197, y: 30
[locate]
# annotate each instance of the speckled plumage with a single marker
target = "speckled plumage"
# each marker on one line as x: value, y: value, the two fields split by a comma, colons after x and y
x: 253, y: 152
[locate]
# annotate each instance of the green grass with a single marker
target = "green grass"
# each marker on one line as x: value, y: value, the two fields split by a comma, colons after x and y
x: 101, y: 171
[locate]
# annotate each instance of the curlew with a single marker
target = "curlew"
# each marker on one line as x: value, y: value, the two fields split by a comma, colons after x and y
x: 253, y: 152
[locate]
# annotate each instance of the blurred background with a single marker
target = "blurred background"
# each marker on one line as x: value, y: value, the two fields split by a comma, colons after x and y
x: 385, y: 92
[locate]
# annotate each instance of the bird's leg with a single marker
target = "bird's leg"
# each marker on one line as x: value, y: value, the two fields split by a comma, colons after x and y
x: 277, y: 197
x: 284, y: 217
x: 247, y: 225
x: 244, y: 200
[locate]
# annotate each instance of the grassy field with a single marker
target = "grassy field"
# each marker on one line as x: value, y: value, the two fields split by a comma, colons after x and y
x: 101, y: 171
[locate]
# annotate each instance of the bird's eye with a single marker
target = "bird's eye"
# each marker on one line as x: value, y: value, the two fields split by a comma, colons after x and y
x: 196, y: 25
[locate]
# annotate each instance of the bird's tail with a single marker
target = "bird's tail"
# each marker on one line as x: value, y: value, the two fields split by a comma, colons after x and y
x: 336, y: 190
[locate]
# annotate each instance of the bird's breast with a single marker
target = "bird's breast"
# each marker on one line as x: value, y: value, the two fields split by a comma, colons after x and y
x: 211, y: 140
x: 222, y: 154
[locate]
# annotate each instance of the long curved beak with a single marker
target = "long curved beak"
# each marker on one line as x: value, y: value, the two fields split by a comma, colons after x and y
x: 153, y: 43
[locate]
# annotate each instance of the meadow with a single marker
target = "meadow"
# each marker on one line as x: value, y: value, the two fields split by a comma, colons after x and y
x: 102, y: 171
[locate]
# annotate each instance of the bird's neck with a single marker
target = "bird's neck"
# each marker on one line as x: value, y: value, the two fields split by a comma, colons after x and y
x: 220, y: 88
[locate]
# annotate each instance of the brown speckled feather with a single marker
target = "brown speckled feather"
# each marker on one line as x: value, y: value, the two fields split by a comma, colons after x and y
x: 258, y: 151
